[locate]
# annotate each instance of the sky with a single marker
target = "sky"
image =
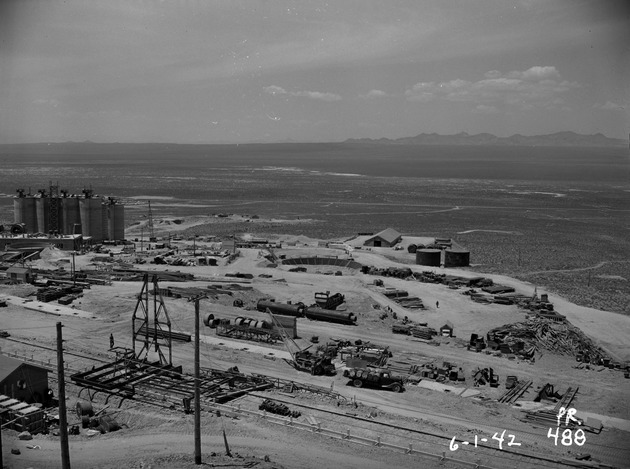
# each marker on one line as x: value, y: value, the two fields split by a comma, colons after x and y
x: 243, y: 71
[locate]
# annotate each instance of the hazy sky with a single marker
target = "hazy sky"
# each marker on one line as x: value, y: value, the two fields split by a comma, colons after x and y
x: 205, y: 71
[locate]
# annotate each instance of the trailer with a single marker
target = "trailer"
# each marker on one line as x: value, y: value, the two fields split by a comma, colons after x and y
x: 247, y: 329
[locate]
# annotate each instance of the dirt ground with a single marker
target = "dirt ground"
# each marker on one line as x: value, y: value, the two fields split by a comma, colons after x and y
x: 158, y: 438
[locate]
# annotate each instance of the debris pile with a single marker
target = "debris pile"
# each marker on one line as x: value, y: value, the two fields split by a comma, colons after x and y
x: 485, y: 376
x: 525, y: 338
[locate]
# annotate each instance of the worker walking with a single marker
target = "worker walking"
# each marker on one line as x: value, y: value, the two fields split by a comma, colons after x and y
x: 437, y: 304
x: 111, y: 340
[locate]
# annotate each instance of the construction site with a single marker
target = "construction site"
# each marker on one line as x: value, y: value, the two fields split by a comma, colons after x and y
x: 377, y: 350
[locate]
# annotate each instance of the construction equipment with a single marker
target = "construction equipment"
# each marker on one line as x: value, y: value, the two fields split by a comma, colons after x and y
x: 375, y: 378
x: 315, y: 363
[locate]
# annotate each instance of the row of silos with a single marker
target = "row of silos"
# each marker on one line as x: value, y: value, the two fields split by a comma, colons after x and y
x: 450, y: 257
x: 71, y: 215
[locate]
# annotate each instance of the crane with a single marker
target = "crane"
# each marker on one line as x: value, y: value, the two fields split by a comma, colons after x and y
x: 302, y: 359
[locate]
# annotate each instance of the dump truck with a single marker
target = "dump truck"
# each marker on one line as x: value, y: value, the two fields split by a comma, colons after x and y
x: 375, y: 378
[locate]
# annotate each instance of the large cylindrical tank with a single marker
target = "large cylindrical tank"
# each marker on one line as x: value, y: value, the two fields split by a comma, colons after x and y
x: 91, y: 218
x: 320, y: 314
x: 429, y: 257
x: 284, y: 309
x: 43, y: 214
x: 25, y: 211
x: 118, y: 231
x: 70, y: 214
x: 456, y: 258
x: 114, y: 221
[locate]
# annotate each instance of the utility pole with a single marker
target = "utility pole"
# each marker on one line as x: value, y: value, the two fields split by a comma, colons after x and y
x: 1, y: 464
x: 197, y: 392
x: 74, y: 269
x: 63, y: 422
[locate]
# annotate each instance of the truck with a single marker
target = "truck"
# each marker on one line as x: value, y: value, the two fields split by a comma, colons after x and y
x: 375, y: 378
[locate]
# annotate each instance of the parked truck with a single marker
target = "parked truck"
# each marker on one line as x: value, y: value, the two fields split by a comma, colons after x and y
x: 375, y: 378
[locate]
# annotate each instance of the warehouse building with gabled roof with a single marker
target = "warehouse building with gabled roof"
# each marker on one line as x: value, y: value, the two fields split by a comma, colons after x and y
x: 386, y: 239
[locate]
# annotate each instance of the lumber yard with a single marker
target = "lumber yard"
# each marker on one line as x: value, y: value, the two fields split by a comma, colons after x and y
x: 339, y: 349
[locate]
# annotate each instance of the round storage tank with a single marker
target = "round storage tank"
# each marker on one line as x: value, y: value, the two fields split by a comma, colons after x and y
x: 70, y: 214
x: 430, y: 257
x: 43, y: 214
x: 412, y: 248
x: 456, y: 258
x: 24, y: 211
x: 91, y: 218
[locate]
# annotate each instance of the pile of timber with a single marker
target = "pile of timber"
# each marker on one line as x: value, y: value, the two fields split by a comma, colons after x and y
x: 540, y: 333
x: 421, y: 332
x: 549, y: 418
x: 410, y: 302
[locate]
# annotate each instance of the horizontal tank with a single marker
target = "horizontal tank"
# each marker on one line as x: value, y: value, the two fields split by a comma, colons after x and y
x: 456, y: 258
x: 284, y: 309
x: 320, y: 314
x: 429, y: 257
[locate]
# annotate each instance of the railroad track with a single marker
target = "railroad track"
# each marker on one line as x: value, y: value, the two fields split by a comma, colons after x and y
x: 505, y: 457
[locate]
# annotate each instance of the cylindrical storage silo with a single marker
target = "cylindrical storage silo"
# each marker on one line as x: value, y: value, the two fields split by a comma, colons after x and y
x: 91, y: 218
x: 25, y: 211
x: 456, y: 258
x: 118, y: 231
x: 429, y: 257
x: 43, y: 214
x: 70, y: 214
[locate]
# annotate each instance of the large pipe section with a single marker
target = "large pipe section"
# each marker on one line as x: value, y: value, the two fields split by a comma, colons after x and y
x: 319, y: 314
x: 311, y: 312
x: 283, y: 309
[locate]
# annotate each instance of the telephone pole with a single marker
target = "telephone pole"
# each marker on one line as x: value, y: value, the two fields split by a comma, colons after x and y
x: 197, y: 392
x: 63, y: 422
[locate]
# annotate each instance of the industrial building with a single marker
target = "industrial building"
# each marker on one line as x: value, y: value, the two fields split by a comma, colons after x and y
x: 54, y: 212
x: 386, y: 239
x: 23, y: 381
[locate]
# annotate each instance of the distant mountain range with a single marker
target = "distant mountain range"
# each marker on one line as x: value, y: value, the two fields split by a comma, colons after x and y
x: 559, y: 139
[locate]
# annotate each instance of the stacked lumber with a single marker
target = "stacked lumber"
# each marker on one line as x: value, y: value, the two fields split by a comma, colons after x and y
x: 542, y: 334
